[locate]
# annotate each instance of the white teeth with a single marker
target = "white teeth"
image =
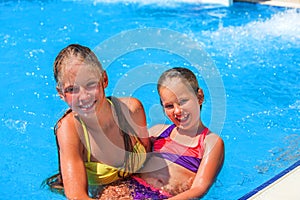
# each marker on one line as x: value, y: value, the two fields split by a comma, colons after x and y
x: 182, y: 117
x: 87, y: 106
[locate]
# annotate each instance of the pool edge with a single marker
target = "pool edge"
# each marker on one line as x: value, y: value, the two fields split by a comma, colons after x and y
x: 279, y: 3
x: 270, y: 181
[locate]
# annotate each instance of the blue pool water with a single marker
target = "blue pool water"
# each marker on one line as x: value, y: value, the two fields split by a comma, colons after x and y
x: 254, y: 97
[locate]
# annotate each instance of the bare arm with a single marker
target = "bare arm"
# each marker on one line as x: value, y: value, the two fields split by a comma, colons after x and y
x: 137, y: 118
x: 71, y: 160
x: 209, y: 168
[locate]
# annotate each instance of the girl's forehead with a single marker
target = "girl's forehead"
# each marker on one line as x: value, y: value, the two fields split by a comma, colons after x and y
x: 78, y: 73
x: 175, y: 91
x: 176, y: 85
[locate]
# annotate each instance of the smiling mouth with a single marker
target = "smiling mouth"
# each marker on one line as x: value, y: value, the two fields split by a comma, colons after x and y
x: 86, y: 107
x: 182, y: 118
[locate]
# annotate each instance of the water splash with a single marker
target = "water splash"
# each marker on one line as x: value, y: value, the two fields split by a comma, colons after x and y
x: 284, y: 25
x: 18, y: 125
x: 295, y: 105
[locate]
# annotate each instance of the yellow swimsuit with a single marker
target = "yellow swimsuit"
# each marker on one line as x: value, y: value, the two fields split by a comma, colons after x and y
x: 99, y: 173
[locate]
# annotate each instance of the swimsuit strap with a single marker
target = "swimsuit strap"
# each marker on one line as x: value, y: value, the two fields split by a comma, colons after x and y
x: 204, y: 134
x: 86, y: 136
x: 166, y: 133
x: 109, y: 101
x: 87, y: 140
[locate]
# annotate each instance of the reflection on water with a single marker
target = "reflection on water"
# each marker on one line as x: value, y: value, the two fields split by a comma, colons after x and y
x: 280, y: 157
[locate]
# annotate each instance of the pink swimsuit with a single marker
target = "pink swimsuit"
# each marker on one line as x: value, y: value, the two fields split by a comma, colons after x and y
x: 188, y: 157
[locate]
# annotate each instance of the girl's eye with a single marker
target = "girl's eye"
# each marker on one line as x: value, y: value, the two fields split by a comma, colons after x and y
x: 183, y: 101
x: 92, y: 85
x: 72, y: 89
x: 168, y: 106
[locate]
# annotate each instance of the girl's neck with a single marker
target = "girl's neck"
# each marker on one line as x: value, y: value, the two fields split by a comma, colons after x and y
x: 188, y: 137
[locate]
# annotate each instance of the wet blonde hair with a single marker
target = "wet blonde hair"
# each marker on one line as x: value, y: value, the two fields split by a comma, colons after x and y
x: 84, y: 54
x: 72, y: 51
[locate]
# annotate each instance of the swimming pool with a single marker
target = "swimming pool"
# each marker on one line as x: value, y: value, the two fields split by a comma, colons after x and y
x: 255, y: 49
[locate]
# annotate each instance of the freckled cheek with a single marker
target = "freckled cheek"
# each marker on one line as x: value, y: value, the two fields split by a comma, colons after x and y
x: 169, y: 113
x: 70, y: 100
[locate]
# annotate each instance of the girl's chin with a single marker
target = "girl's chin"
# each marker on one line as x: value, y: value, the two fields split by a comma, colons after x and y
x: 87, y: 113
x: 187, y: 126
x: 182, y: 123
x: 182, y: 126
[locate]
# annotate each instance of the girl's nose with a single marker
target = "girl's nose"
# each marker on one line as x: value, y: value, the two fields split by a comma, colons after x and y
x: 83, y: 94
x: 177, y: 109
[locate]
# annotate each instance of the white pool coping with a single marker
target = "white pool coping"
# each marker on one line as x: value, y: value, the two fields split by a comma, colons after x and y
x: 283, y: 186
x: 279, y: 3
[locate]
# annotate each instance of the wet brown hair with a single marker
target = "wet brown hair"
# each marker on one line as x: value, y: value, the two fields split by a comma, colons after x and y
x: 185, y: 75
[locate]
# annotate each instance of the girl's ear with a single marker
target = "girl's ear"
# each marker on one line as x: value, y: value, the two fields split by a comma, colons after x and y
x: 104, y: 79
x: 200, y: 96
x: 60, y: 93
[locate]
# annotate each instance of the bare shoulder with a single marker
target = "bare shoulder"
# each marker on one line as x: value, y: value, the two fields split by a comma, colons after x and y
x: 137, y: 118
x: 67, y: 121
x: 67, y: 129
x: 214, y: 141
x: 157, y: 129
x: 132, y: 103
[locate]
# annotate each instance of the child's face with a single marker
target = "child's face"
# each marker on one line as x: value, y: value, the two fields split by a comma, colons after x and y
x: 82, y: 88
x: 180, y: 104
